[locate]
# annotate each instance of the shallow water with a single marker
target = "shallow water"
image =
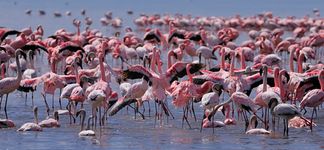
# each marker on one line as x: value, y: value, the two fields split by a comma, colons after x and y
x: 122, y: 130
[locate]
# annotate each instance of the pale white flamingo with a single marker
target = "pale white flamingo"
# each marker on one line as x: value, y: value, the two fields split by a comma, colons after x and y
x: 87, y: 131
x: 51, y: 122
x: 253, y: 124
x: 32, y: 126
x: 286, y: 112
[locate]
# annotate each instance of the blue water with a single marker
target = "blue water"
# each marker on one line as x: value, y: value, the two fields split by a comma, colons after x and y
x: 122, y: 130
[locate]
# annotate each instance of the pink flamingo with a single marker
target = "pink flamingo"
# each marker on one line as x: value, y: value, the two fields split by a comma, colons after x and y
x: 243, y: 102
x: 19, y: 42
x: 176, y: 53
x: 135, y: 92
x: 6, y: 123
x: 266, y: 97
x: 10, y: 84
x: 102, y: 84
x: 314, y: 97
x: 187, y: 90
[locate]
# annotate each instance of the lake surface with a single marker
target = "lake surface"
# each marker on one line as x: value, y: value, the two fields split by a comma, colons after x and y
x: 122, y: 130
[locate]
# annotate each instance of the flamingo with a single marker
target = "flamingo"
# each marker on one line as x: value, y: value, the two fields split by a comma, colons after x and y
x: 97, y: 99
x: 314, y: 97
x: 212, y: 124
x: 253, y: 124
x: 50, y: 122
x: 187, y: 90
x: 207, y: 53
x: 266, y: 97
x: 242, y: 101
x: 10, y: 84
x: 6, y: 123
x: 286, y: 112
x: 87, y: 131
x: 32, y: 126
x: 136, y: 91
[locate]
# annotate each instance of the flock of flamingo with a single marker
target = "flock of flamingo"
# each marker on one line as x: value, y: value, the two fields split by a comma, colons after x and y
x: 204, y: 63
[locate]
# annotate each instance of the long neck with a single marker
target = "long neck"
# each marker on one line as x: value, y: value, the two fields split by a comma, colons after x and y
x: 228, y: 111
x: 265, y: 72
x: 76, y: 74
x: 300, y: 62
x: 170, y: 28
x: 243, y: 64
x: 153, y: 61
x: 159, y: 65
x: 53, y: 66
x: 203, y: 35
x: 78, y: 30
x: 102, y: 69
x: 169, y: 59
x: 3, y: 67
x: 204, y: 88
x: 223, y: 59
x: 321, y: 80
x: 281, y: 87
x: 19, y: 74
x: 88, y: 125
x: 276, y: 77
x: 31, y: 61
x: 188, y: 73
x: 232, y: 65
x: 291, y: 60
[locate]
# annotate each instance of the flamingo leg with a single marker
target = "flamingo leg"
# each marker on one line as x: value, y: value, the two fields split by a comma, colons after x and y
x: 70, y: 114
x: 135, y: 110
x: 161, y: 105
x: 193, y: 110
x: 5, y: 108
x: 311, y: 125
x: 26, y: 99
x: 53, y: 102
x: 202, y: 121
x: 267, y: 121
x: 143, y: 108
x: 1, y: 101
x: 149, y: 108
x: 265, y: 118
x: 246, y: 120
x: 142, y: 115
x: 284, y: 122
x: 47, y: 108
x: 33, y: 98
x: 60, y: 100
x: 287, y: 129
x: 273, y: 123
x: 166, y: 106
x: 104, y: 115
x: 100, y: 123
x: 186, y: 116
x: 183, y: 116
x: 155, y: 114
